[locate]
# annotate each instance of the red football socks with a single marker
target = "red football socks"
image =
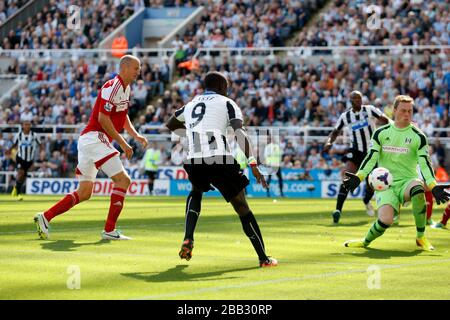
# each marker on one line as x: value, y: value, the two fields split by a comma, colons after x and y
x: 446, y: 215
x: 115, y: 207
x: 62, y: 206
x: 429, y: 199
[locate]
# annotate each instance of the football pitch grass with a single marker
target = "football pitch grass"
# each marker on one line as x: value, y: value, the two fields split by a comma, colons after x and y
x: 313, y: 263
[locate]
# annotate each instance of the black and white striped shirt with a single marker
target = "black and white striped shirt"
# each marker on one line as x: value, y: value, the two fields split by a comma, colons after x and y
x: 361, y: 125
x: 206, y: 118
x: 27, y: 145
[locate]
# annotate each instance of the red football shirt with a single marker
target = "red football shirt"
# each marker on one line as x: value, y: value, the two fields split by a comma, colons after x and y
x: 113, y: 100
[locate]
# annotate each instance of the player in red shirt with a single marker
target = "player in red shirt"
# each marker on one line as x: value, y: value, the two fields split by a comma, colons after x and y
x: 108, y: 118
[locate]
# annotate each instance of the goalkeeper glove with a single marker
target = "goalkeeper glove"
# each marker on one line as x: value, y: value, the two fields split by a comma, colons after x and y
x: 440, y: 194
x: 351, y: 182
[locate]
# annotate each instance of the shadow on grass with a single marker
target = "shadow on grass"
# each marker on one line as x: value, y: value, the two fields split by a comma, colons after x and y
x: 69, y: 245
x: 395, y: 226
x: 176, y: 274
x: 361, y: 223
x: 347, y: 224
x: 387, y: 254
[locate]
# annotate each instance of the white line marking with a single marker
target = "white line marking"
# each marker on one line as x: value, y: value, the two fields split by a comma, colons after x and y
x: 140, y: 226
x: 281, y: 280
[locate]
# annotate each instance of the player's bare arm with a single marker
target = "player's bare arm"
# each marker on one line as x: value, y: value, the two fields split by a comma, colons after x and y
x: 331, y: 138
x: 382, y: 120
x: 107, y: 125
x: 176, y: 126
x: 132, y: 132
x: 245, y: 145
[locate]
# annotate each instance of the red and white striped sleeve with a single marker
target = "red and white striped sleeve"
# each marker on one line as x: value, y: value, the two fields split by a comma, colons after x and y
x: 108, y: 92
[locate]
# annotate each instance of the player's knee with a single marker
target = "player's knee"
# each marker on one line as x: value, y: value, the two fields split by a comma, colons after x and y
x: 127, y: 181
x: 122, y: 180
x: 386, y: 215
x: 196, y: 194
x: 241, y: 207
x: 84, y: 195
x: 387, y: 221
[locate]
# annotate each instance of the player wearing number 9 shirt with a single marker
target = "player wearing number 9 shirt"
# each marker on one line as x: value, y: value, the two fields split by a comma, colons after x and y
x: 209, y: 163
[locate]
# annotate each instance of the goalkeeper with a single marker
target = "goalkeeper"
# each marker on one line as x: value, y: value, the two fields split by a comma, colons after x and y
x: 399, y: 147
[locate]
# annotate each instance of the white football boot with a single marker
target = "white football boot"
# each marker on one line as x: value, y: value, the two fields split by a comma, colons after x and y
x: 114, y: 235
x: 42, y: 225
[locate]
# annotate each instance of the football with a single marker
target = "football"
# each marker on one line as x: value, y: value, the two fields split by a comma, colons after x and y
x: 380, y: 179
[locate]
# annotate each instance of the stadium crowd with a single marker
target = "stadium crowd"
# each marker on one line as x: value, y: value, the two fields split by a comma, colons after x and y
x: 399, y: 22
x: 47, y: 29
x: 245, y: 24
x: 264, y: 22
x: 9, y: 7
x: 64, y: 93
x: 280, y: 92
x: 304, y: 93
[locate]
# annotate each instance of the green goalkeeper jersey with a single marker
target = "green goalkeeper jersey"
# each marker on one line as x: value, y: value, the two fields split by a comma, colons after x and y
x: 399, y: 151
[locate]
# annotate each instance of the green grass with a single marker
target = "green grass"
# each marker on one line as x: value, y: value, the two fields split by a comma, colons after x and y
x: 299, y: 233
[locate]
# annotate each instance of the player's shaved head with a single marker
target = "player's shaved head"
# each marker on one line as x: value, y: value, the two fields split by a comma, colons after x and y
x: 216, y: 81
x: 129, y: 68
x: 127, y: 60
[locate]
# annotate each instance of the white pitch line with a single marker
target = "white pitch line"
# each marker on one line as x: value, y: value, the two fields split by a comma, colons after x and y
x: 281, y: 280
x: 97, y: 228
x: 153, y: 225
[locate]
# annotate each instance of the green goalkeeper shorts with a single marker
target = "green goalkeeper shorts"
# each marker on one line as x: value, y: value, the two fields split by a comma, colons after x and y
x: 394, y: 196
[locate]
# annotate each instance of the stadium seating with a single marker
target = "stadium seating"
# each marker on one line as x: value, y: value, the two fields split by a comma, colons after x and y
x: 250, y: 24
x: 397, y: 23
x: 277, y: 94
x: 9, y: 7
x: 47, y: 29
x: 274, y: 91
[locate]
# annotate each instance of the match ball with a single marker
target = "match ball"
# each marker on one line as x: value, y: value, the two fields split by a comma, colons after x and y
x: 380, y: 179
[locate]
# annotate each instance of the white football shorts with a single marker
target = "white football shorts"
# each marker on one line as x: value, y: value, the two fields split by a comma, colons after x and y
x: 94, y: 153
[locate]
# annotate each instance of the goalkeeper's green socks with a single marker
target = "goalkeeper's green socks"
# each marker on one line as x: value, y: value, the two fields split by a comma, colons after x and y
x: 375, y: 231
x: 419, y: 209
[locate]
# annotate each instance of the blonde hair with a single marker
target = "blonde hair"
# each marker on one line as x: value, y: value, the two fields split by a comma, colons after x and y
x: 402, y: 98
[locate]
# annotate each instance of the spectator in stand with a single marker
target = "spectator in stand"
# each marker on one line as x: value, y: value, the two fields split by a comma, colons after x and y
x: 58, y: 144
x: 47, y: 30
x: 404, y: 23
x: 140, y: 92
